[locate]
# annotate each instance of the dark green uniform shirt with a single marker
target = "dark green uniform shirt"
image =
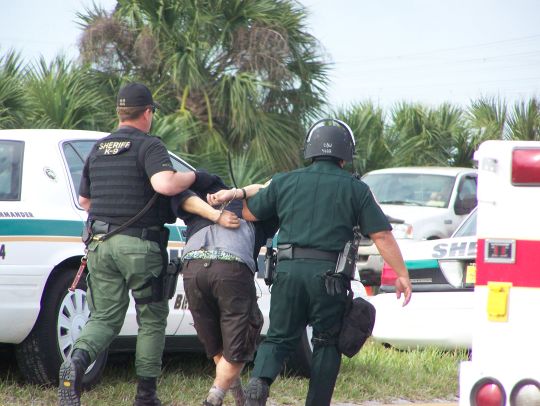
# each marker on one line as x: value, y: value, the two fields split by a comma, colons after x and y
x: 318, y: 206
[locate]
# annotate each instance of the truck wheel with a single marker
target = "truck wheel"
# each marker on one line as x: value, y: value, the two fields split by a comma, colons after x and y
x: 62, y: 316
x: 300, y: 362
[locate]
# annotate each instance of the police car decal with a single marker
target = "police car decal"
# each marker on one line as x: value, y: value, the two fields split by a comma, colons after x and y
x: 62, y: 230
x: 455, y: 250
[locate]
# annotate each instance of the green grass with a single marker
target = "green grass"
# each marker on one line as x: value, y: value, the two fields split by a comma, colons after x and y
x: 376, y: 374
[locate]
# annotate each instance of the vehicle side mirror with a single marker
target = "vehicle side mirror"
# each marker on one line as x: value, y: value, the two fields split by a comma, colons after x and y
x: 465, y: 205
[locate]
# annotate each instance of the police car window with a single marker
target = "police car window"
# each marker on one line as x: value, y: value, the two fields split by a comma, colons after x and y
x: 76, y: 153
x: 11, y: 158
x: 180, y: 165
x: 468, y: 227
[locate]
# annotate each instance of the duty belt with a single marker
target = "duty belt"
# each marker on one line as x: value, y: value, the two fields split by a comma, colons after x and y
x: 144, y: 233
x: 288, y: 251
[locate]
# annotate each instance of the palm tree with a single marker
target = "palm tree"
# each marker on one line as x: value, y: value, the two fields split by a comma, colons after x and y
x: 12, y: 95
x: 524, y: 121
x: 373, y: 146
x: 487, y: 117
x: 246, y: 72
x: 61, y: 95
x: 424, y: 136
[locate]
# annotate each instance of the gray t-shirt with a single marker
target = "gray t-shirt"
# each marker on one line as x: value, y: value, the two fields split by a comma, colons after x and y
x: 238, y: 242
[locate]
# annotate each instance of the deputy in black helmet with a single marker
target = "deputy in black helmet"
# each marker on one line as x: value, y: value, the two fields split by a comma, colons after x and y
x: 126, y: 178
x: 317, y: 207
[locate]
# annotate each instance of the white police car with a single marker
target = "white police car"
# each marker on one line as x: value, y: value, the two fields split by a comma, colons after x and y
x: 439, y: 314
x: 40, y: 253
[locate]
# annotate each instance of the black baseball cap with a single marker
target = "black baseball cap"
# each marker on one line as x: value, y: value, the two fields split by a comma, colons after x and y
x: 135, y: 95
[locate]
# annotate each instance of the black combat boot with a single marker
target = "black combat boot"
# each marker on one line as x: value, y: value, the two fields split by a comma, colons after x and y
x: 257, y: 391
x: 71, y: 377
x: 146, y: 392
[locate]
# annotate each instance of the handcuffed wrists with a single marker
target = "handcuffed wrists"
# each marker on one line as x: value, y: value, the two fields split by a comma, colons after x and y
x: 217, y: 216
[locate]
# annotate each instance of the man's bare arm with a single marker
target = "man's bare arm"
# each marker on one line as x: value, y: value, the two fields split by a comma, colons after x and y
x: 247, y: 214
x: 196, y: 205
x: 389, y: 250
x: 85, y: 203
x: 227, y: 195
x: 170, y: 183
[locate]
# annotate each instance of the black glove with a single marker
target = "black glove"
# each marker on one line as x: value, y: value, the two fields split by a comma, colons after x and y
x: 335, y: 283
x: 203, y: 180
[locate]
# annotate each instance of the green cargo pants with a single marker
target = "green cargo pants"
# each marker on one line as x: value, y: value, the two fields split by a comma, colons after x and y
x: 299, y: 298
x: 116, y: 266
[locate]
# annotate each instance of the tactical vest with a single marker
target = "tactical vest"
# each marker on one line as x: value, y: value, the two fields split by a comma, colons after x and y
x: 119, y: 186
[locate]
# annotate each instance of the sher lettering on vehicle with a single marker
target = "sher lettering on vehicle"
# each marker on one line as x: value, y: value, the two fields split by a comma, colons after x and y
x: 455, y: 249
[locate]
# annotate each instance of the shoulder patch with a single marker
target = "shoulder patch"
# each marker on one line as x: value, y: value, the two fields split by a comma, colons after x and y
x: 113, y: 147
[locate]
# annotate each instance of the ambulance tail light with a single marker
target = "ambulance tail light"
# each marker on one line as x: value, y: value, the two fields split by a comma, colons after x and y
x: 526, y: 167
x: 388, y: 275
x: 525, y: 392
x: 488, y: 392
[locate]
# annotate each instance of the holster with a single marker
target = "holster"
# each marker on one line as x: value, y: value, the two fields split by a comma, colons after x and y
x: 171, y: 277
x: 163, y: 285
x: 87, y: 232
x: 270, y: 261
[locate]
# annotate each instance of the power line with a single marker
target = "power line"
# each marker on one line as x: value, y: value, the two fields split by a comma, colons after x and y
x: 525, y: 39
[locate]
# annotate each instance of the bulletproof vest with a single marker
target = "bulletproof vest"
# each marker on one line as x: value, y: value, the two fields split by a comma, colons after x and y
x: 119, y: 186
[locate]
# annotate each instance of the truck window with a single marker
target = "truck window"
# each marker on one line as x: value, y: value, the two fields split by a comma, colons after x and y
x: 411, y: 189
x: 466, y: 198
x: 11, y: 158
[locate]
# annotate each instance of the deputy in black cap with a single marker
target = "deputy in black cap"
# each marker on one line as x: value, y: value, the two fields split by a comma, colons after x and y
x: 317, y: 207
x: 122, y: 174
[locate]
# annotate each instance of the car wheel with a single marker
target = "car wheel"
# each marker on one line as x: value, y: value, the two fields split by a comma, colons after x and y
x: 62, y: 316
x: 300, y: 362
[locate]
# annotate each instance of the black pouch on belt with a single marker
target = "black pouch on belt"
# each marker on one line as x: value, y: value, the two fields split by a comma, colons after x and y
x: 357, y: 325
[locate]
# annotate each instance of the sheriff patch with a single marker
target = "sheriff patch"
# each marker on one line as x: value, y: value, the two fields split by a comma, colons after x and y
x: 113, y: 147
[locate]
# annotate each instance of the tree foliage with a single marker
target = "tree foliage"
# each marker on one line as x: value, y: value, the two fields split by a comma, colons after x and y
x: 239, y: 82
x: 245, y: 75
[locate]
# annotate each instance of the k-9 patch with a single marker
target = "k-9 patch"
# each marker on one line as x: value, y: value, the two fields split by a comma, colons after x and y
x: 113, y: 147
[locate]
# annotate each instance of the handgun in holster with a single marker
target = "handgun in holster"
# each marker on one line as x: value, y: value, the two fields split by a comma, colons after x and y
x: 171, y: 277
x: 339, y: 280
x: 346, y: 263
x: 270, y: 260
x: 163, y: 285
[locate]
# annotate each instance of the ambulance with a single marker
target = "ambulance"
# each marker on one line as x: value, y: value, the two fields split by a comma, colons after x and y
x: 505, y: 366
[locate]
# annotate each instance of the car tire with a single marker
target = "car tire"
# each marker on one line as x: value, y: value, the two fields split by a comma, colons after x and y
x: 300, y: 362
x: 62, y: 316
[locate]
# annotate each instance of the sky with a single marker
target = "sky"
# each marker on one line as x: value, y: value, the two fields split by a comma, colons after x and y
x: 385, y: 51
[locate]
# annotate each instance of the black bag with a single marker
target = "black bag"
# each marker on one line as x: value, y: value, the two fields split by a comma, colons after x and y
x: 357, y: 326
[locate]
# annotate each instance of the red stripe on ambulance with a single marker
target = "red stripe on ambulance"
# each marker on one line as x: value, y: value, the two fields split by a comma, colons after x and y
x: 524, y: 272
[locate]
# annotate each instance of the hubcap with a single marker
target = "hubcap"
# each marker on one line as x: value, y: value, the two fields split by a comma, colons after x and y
x: 72, y: 316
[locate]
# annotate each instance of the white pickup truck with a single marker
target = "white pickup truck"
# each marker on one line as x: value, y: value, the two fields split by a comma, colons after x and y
x: 431, y: 203
x: 41, y: 249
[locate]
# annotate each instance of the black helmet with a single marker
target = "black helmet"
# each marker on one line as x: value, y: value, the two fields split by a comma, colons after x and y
x: 334, y: 139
